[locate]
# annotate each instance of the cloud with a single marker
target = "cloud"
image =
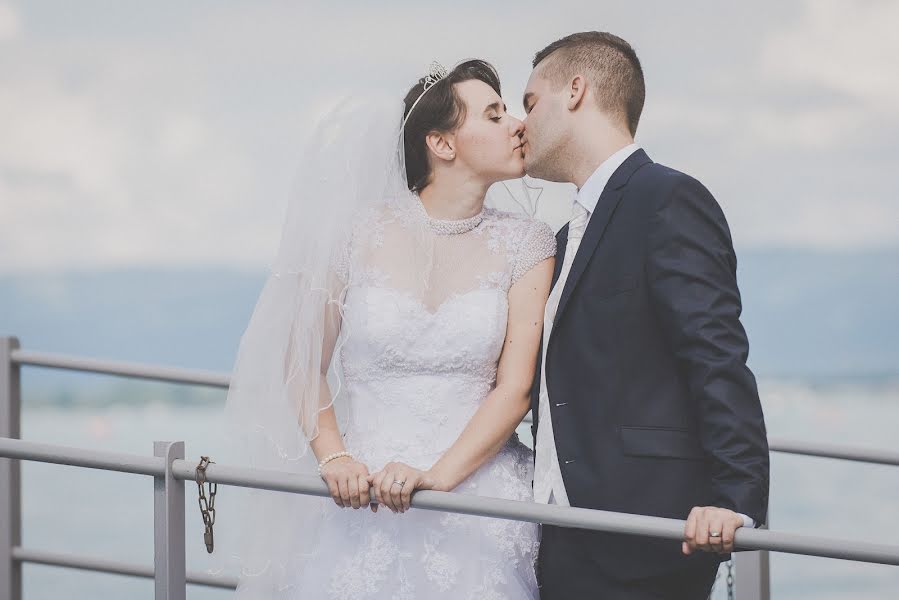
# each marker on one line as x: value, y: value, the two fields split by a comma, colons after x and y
x: 135, y: 141
x: 847, y: 47
x: 94, y: 174
x: 10, y: 25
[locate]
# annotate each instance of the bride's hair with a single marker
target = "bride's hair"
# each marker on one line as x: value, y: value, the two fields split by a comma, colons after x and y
x: 441, y: 109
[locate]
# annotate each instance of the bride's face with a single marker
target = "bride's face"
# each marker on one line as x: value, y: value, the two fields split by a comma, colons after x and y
x: 488, y: 142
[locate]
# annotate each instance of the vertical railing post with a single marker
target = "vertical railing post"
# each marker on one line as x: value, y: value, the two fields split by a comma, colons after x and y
x: 168, y: 526
x: 752, y: 575
x: 10, y: 475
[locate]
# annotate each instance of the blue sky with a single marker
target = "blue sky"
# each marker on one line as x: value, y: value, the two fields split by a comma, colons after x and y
x: 167, y: 134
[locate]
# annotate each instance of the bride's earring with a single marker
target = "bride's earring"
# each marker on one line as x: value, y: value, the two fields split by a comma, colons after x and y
x: 452, y: 156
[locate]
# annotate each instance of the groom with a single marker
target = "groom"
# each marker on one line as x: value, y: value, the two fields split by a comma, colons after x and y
x: 643, y: 402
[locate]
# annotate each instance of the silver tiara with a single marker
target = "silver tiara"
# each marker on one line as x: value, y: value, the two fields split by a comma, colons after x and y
x: 435, y: 74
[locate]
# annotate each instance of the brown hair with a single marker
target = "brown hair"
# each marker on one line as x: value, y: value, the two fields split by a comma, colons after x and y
x: 611, y: 66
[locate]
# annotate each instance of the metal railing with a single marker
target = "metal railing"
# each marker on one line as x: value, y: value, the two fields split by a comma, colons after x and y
x: 170, y: 470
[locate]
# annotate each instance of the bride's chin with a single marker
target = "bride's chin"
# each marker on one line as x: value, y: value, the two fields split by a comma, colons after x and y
x: 517, y: 170
x: 512, y: 176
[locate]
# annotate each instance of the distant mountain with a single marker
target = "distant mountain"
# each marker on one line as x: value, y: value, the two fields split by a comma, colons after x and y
x: 190, y: 318
x: 821, y: 314
x: 808, y: 314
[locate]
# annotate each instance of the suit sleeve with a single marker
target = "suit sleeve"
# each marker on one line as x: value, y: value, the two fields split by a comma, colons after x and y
x: 691, y: 273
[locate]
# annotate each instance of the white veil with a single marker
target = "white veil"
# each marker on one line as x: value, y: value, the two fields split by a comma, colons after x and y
x: 284, y: 375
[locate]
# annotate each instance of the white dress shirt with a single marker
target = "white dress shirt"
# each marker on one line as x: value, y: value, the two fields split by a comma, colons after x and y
x: 549, y: 487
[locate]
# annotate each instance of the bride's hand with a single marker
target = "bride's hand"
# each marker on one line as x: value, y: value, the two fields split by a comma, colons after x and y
x: 393, y: 485
x: 347, y: 481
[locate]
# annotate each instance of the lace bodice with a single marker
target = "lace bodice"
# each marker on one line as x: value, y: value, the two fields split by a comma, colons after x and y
x: 424, y: 337
x: 398, y: 245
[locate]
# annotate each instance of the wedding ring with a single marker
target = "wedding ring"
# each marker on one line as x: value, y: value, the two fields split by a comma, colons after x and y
x: 402, y: 483
x: 715, y: 534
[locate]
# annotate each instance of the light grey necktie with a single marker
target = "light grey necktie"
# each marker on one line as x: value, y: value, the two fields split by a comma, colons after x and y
x: 576, y: 227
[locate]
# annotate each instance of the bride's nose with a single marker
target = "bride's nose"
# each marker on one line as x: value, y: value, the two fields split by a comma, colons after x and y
x: 517, y: 126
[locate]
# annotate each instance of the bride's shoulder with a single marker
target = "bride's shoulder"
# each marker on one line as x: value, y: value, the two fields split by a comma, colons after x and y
x: 527, y: 239
x: 521, y: 226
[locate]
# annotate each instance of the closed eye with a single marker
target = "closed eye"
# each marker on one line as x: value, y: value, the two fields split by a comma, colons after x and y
x: 495, y: 108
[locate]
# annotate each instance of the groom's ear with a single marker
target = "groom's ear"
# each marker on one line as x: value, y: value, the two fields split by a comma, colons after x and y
x: 577, y: 90
x: 443, y: 145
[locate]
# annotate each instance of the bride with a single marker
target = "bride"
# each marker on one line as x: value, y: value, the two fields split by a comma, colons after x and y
x: 393, y: 349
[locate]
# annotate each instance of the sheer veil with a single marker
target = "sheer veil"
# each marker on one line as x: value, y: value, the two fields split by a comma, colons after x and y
x: 284, y: 376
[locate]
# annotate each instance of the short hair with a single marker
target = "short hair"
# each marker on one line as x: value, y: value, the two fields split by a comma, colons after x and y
x: 608, y: 62
x: 441, y: 109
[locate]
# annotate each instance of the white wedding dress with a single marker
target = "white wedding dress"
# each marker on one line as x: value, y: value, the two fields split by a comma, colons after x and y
x: 417, y: 361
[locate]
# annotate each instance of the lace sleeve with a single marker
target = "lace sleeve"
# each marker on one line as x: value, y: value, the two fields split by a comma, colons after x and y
x: 537, y: 244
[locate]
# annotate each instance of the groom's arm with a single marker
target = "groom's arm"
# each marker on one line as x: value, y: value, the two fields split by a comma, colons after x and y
x: 691, y: 271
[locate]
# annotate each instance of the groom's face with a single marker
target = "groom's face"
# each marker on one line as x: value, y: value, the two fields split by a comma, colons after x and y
x: 544, y: 127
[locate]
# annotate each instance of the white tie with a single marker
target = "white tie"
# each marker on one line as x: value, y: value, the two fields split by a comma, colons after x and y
x: 548, y: 484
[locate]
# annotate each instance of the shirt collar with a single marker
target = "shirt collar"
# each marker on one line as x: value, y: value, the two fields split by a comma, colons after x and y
x: 592, y: 189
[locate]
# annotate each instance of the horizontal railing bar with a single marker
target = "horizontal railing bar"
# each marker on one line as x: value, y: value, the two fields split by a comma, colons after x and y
x: 79, y: 457
x: 839, y: 451
x: 122, y: 369
x: 673, y: 529
x: 747, y: 539
x: 115, y: 567
x: 222, y: 380
x: 823, y: 450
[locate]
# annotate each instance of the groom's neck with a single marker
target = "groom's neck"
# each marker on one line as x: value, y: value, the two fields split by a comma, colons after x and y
x: 594, y: 144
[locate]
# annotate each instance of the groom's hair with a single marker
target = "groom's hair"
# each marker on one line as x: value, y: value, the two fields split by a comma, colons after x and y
x: 610, y: 65
x: 440, y: 109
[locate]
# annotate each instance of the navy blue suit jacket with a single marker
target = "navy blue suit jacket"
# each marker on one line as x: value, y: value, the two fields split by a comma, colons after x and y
x: 654, y: 410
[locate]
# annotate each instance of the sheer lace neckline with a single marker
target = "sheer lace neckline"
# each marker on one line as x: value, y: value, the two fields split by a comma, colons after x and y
x: 449, y: 226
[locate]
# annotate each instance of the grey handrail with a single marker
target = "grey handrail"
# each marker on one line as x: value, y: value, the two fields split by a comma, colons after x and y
x: 597, y: 520
x: 121, y: 368
x: 839, y: 451
x: 115, y: 567
x: 221, y: 380
x: 80, y: 457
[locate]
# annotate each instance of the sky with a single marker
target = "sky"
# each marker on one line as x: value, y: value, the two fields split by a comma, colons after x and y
x: 168, y: 134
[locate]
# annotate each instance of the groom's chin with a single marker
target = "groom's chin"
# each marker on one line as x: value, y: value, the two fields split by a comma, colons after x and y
x: 530, y: 168
x: 527, y: 167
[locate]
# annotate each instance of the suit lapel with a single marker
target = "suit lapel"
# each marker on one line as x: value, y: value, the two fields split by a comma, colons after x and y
x: 561, y: 242
x: 605, y: 208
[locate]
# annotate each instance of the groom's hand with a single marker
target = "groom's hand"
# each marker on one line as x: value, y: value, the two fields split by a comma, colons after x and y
x: 711, y: 529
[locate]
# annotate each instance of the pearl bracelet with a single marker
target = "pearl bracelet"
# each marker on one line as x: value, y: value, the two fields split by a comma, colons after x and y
x: 331, y: 457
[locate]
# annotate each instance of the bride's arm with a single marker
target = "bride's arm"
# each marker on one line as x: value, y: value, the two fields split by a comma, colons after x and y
x: 346, y: 478
x: 504, y: 408
x: 328, y: 441
x: 500, y: 413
